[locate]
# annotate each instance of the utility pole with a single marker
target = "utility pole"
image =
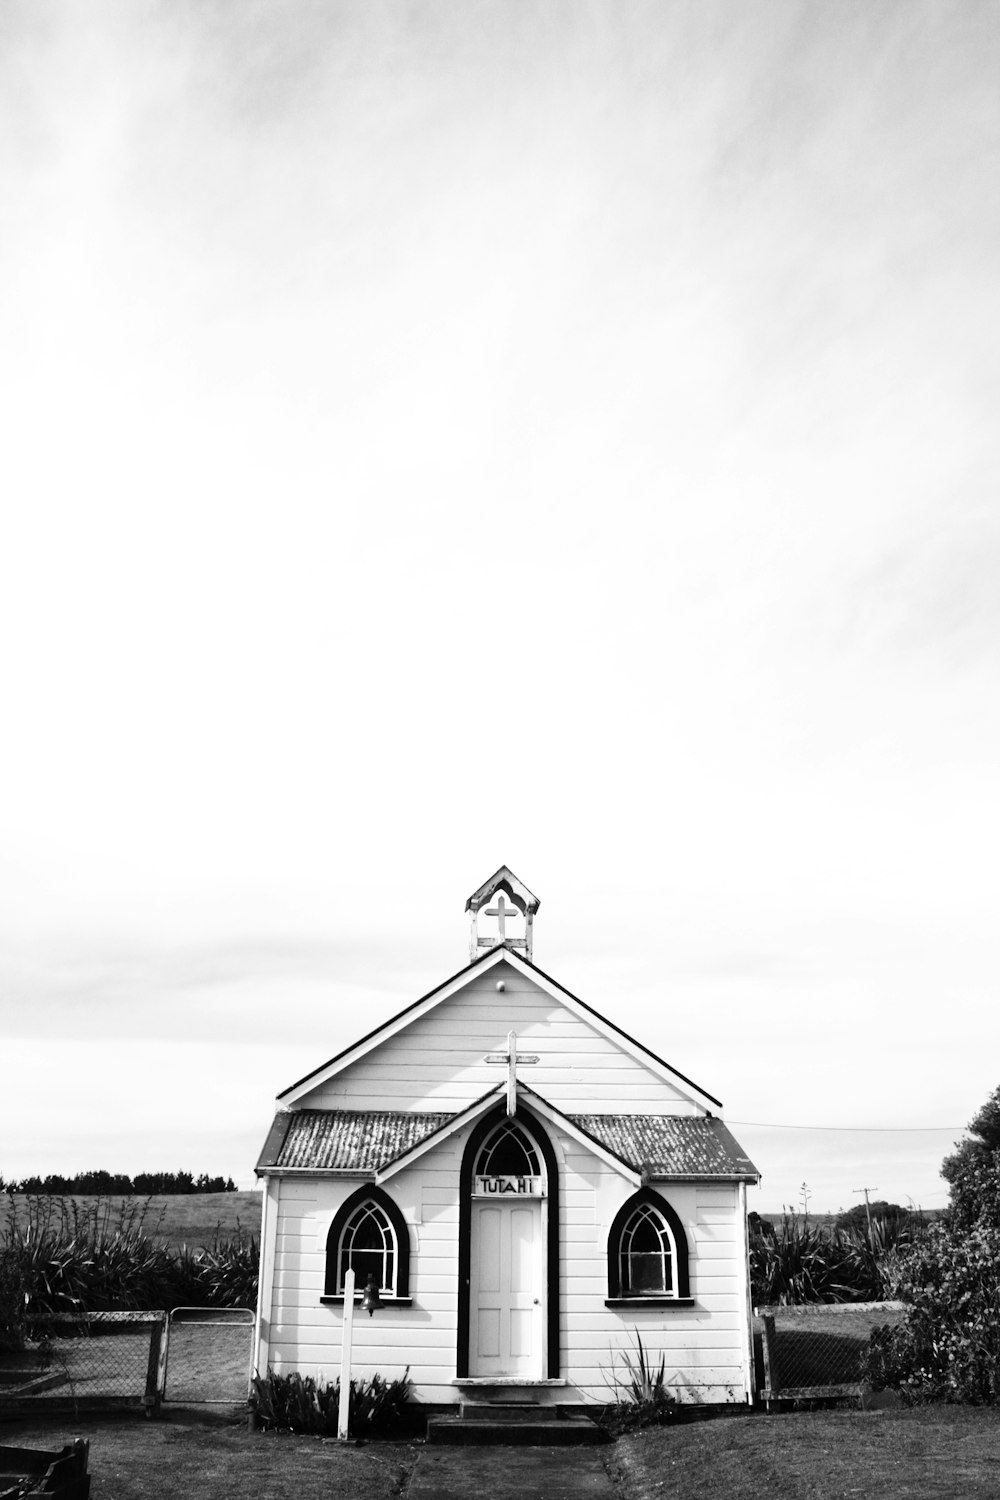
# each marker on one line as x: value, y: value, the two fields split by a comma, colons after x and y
x: 868, y: 1210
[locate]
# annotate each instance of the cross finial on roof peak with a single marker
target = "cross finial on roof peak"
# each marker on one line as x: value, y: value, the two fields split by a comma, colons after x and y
x: 525, y: 904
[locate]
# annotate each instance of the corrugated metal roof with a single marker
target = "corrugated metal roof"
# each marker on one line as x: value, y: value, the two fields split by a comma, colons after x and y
x: 670, y: 1145
x: 350, y: 1140
x: 357, y: 1140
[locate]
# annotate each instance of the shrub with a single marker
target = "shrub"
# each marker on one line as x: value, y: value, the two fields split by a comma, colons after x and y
x: 862, y: 1214
x: 298, y: 1403
x: 949, y: 1347
x: 973, y: 1172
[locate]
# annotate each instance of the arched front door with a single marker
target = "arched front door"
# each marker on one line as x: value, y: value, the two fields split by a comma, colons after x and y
x: 508, y: 1307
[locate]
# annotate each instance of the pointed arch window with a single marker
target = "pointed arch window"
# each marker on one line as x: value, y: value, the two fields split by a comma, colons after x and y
x: 647, y: 1253
x: 368, y: 1235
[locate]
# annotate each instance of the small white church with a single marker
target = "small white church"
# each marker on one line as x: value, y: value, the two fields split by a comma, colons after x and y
x: 523, y: 1184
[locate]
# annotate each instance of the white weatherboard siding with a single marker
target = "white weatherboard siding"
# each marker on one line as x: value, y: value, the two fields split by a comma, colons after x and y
x: 705, y: 1345
x: 306, y: 1333
x: 437, y: 1060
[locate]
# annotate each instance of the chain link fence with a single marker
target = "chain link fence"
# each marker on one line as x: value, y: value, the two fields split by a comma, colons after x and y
x: 78, y: 1360
x: 88, y: 1361
x: 818, y: 1351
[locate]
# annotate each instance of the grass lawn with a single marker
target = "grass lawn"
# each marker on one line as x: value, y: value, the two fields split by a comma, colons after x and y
x: 206, y: 1458
x: 936, y: 1453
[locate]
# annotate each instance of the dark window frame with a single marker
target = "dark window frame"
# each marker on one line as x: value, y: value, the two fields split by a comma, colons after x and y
x: 348, y: 1210
x: 619, y: 1296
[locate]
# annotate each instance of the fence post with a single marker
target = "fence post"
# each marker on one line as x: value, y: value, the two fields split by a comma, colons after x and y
x: 770, y: 1357
x: 155, y: 1366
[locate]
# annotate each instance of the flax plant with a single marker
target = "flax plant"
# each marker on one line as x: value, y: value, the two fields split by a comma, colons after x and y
x: 642, y: 1397
x: 801, y: 1262
x: 100, y: 1256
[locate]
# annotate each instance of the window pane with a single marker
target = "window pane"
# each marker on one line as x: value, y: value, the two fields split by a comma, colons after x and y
x: 508, y: 1153
x: 367, y: 1263
x: 368, y: 1233
x: 647, y: 1273
x: 646, y: 1236
x: 368, y: 1245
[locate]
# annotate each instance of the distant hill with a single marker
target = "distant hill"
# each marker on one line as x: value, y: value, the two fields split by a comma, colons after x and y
x: 828, y: 1221
x: 184, y: 1219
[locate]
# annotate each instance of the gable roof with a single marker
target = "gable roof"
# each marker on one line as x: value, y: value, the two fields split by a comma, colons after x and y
x: 500, y: 954
x: 373, y: 1142
x: 504, y: 880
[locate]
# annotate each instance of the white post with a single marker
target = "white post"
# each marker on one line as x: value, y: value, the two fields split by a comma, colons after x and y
x: 345, y: 1356
x: 749, y: 1371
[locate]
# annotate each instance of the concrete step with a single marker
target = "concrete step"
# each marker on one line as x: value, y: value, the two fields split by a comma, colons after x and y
x: 507, y: 1411
x: 537, y: 1431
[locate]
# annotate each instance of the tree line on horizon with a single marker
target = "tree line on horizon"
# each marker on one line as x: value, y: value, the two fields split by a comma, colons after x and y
x: 102, y: 1184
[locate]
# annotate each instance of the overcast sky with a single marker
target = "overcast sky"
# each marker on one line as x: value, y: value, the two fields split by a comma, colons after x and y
x: 438, y: 435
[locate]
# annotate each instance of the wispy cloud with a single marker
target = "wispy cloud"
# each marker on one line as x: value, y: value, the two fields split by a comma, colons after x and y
x: 443, y: 434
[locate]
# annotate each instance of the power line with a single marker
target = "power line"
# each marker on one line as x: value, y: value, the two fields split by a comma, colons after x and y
x: 857, y: 1129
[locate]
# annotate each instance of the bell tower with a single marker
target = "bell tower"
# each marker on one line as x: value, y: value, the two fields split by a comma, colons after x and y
x: 506, y: 926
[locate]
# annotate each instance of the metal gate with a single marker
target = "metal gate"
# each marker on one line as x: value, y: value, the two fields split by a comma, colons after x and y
x: 206, y: 1356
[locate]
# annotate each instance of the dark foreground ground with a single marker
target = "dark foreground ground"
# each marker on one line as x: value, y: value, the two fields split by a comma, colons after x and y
x: 939, y: 1453
x: 934, y: 1454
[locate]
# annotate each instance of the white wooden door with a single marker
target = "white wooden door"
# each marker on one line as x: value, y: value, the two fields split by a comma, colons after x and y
x: 506, y: 1291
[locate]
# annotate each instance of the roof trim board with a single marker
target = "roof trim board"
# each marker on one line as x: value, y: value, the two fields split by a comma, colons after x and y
x: 353, y: 1174
x: 500, y: 954
x: 271, y: 1149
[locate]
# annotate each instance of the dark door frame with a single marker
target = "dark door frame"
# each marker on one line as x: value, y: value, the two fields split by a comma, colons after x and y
x: 488, y: 1123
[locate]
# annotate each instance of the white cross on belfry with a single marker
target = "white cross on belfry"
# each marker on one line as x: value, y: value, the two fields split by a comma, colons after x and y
x: 501, y: 912
x: 511, y: 1059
